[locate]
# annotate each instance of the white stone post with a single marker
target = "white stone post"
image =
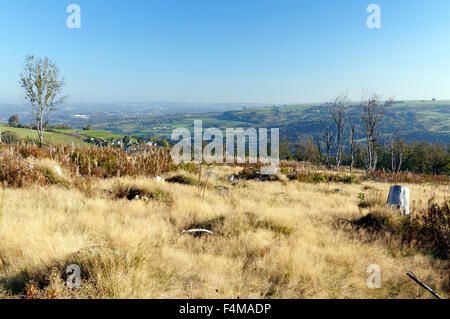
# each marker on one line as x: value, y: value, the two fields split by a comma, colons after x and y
x: 399, y: 197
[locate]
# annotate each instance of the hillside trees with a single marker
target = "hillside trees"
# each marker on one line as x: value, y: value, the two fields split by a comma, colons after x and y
x: 285, y: 153
x: 42, y: 83
x: 352, y: 144
x: 372, y: 111
x: 397, y: 148
x: 416, y: 157
x: 395, y: 156
x: 13, y: 120
x: 9, y: 137
x: 338, y: 111
x: 325, y: 138
x: 307, y: 150
x: 331, y: 142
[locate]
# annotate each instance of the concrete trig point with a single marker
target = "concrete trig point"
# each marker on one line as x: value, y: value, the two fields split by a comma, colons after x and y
x: 399, y: 197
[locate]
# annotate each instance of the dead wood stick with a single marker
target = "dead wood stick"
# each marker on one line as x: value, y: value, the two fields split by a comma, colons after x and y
x: 196, y: 231
x: 423, y: 285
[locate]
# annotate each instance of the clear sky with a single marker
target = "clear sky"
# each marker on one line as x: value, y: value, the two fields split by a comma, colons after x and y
x: 277, y: 51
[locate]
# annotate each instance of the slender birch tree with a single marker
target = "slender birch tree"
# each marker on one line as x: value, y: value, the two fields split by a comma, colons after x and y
x: 42, y: 83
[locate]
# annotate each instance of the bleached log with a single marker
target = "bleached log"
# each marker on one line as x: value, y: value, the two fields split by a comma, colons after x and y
x: 399, y: 198
x: 422, y: 284
x: 196, y: 231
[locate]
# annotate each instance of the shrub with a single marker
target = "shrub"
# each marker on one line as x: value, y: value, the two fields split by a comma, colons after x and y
x: 362, y: 200
x: 182, y: 179
x: 104, y: 162
x: 306, y: 176
x: 131, y: 192
x: 350, y: 179
x: 189, y: 167
x: 430, y: 228
x: 427, y: 230
x: 16, y: 172
x: 9, y: 137
x: 406, y: 177
x: 252, y: 173
x: 373, y: 199
x: 53, y: 178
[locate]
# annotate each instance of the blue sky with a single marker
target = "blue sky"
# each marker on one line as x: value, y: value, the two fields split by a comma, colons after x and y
x: 284, y: 51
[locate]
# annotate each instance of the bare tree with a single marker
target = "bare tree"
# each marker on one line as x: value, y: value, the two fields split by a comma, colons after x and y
x: 392, y: 149
x: 371, y: 113
x: 401, y: 151
x: 327, y: 137
x: 397, y: 147
x: 307, y: 150
x: 352, y: 144
x: 338, y: 112
x: 43, y: 84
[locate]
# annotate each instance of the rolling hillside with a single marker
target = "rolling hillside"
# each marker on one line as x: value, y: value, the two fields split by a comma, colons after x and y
x: 62, y: 136
x: 50, y: 137
x: 421, y: 120
x: 416, y: 120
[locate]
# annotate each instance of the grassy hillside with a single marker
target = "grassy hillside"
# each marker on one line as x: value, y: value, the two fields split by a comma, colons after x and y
x: 90, y: 133
x: 62, y: 136
x: 49, y: 137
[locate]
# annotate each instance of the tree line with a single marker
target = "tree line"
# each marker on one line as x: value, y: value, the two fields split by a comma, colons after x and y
x: 336, y: 144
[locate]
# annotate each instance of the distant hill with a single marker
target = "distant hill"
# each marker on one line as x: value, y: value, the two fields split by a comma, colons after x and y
x: 421, y: 120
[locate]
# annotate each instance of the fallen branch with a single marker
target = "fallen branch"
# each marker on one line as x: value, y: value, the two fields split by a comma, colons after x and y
x: 196, y: 231
x: 423, y: 285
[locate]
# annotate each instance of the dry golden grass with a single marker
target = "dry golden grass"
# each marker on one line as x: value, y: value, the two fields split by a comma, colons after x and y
x: 271, y: 240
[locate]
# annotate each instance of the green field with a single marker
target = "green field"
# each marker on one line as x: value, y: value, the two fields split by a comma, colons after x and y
x: 62, y: 136
x: 49, y: 137
x: 91, y: 133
